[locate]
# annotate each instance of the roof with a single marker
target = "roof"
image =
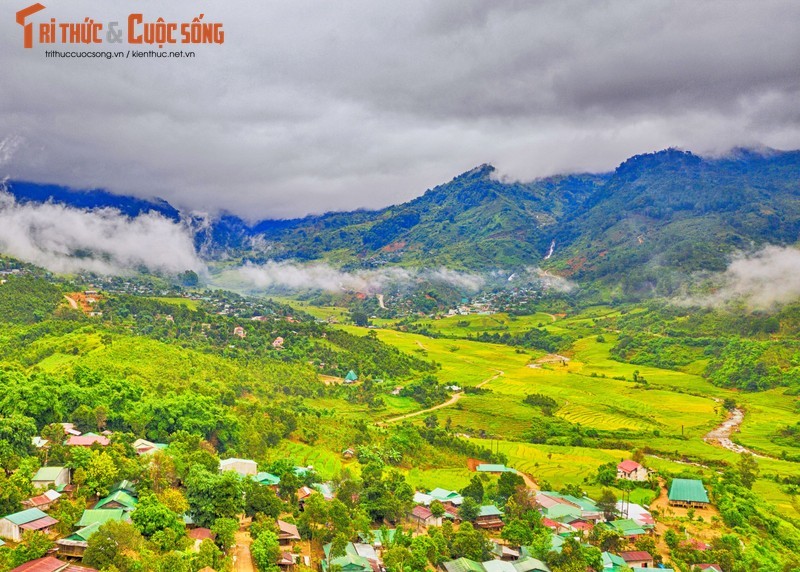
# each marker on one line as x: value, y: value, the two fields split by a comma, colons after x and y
x: 87, y: 440
x: 637, y: 569
x: 46, y: 498
x: 25, y: 516
x: 267, y: 479
x: 84, y: 533
x: 46, y: 564
x: 125, y: 485
x: 351, y: 376
x: 234, y: 460
x: 463, y: 565
x: 288, y: 528
x: 627, y: 527
x: 611, y: 560
x: 715, y: 567
x: 530, y: 565
x: 47, y: 473
x: 489, y: 468
x: 636, y: 512
x: 689, y: 490
x: 120, y: 497
x: 498, y: 566
x: 201, y: 534
x: 635, y: 555
x: 628, y: 466
x: 100, y: 516
x: 39, y: 524
x: 422, y: 512
x: 490, y: 510
x: 445, y: 495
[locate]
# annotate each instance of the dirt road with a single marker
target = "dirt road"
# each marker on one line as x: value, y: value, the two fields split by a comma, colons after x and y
x: 243, y: 561
x: 73, y: 304
x: 453, y: 400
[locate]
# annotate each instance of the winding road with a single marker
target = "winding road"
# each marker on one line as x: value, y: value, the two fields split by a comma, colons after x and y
x: 454, y: 399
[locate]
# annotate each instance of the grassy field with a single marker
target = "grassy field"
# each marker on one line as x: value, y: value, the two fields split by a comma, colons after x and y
x: 191, y: 304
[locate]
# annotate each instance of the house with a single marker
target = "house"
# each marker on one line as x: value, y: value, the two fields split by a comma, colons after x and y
x: 118, y: 499
x: 74, y: 545
x: 631, y: 471
x: 277, y: 343
x: 689, y: 493
x: 612, y: 562
x: 51, y: 477
x: 87, y: 440
x: 357, y: 558
x: 348, y: 453
x: 287, y: 533
x: 637, y: 513
x: 145, y: 447
x: 325, y: 489
x: 241, y: 466
x: 50, y: 564
x: 267, y: 479
x: 43, y: 501
x: 239, y: 331
x: 525, y: 564
x: 101, y: 516
x: 13, y: 525
x: 637, y: 559
x: 445, y: 496
x: 504, y: 552
x: 199, y: 535
x: 463, y: 565
x: 497, y: 469
x: 489, y: 518
x: 626, y: 528
x: 351, y: 377
x: 712, y: 567
x: 38, y: 442
x: 70, y: 429
x: 287, y: 560
x: 423, y: 515
x: 124, y: 485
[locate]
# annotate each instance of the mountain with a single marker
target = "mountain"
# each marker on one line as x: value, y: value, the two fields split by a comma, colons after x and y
x: 656, y: 215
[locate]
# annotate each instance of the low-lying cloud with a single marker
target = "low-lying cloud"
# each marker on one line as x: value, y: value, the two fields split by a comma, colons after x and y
x: 104, y: 241
x: 762, y: 280
x: 321, y: 276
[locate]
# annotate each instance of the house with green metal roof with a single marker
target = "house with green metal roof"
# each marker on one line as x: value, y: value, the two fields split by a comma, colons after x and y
x: 117, y: 499
x: 13, y: 525
x: 613, y: 563
x: 443, y: 495
x: 463, y: 565
x: 267, y: 479
x: 352, y: 561
x: 51, y: 477
x: 125, y: 485
x: 490, y: 468
x: 489, y: 517
x: 100, y: 516
x: 688, y: 493
x: 626, y: 527
x: 351, y: 377
x: 76, y: 543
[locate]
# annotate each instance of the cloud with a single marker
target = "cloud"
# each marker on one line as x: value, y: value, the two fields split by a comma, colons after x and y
x: 321, y: 276
x: 762, y: 280
x: 312, y: 106
x: 104, y: 241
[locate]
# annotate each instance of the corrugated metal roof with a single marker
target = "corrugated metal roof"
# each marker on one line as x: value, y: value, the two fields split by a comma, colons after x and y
x: 100, y: 515
x: 47, y: 474
x: 25, y: 516
x: 689, y: 490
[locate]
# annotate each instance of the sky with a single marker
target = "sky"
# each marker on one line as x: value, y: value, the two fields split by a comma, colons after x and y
x: 312, y: 106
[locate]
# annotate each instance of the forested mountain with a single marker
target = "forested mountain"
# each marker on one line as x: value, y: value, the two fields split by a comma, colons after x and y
x: 666, y: 210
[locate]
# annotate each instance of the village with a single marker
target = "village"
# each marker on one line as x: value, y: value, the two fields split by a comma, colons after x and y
x: 626, y: 535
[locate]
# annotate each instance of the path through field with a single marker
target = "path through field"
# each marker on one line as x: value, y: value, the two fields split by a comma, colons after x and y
x: 243, y: 561
x: 73, y: 304
x: 454, y: 399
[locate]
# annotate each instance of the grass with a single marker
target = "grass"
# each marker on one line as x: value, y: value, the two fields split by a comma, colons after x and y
x: 177, y: 301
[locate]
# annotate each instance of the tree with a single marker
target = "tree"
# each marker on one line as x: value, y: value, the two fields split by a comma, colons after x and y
x: 212, y: 496
x: 266, y: 551
x: 437, y: 509
x: 209, y: 555
x: 517, y: 533
x: 34, y: 545
x: 151, y: 516
x: 315, y: 515
x: 225, y: 529
x: 470, y: 542
x: 606, y: 474
x: 748, y: 470
x: 474, y: 490
x: 101, y: 473
x: 397, y: 558
x: 261, y: 499
x: 607, y: 503
x: 116, y: 544
x: 508, y: 483
x: 469, y: 509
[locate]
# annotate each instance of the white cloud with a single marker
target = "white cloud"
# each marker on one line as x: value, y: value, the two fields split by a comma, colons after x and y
x: 762, y: 280
x: 104, y: 241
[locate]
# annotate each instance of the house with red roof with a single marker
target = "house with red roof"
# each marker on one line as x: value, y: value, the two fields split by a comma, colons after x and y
x: 631, y: 471
x: 13, y: 525
x: 637, y: 559
x: 423, y: 515
x: 87, y: 440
